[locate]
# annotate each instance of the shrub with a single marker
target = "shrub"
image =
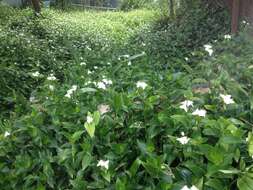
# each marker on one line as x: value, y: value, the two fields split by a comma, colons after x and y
x: 107, y: 119
x: 173, y: 39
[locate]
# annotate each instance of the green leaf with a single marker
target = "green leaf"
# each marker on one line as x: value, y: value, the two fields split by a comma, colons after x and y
x: 245, y: 182
x: 215, y: 184
x: 118, y: 101
x: 96, y: 117
x: 134, y: 167
x: 230, y: 171
x: 76, y: 136
x: 120, y: 185
x: 230, y: 140
x: 86, y: 161
x: 90, y: 128
x: 215, y: 155
x: 107, y: 176
x: 250, y: 144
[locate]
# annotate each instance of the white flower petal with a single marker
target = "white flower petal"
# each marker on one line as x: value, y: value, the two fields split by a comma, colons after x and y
x: 103, y: 108
x: 141, y: 84
x: 104, y: 164
x: 194, y: 188
x: 227, y: 99
x: 183, y: 140
x: 89, y: 119
x: 36, y: 74
x: 186, y: 104
x: 200, y: 112
x: 185, y: 188
x: 227, y: 36
x: 6, y: 134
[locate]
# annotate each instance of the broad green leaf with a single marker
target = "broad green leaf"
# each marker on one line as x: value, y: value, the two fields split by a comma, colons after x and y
x: 134, y: 167
x: 90, y: 128
x: 250, y: 144
x: 107, y: 176
x: 120, y: 185
x: 215, y: 155
x: 230, y: 140
x: 86, y: 161
x: 118, y: 101
x: 215, y: 184
x: 245, y: 182
x: 76, y: 136
x: 230, y: 171
x: 96, y: 117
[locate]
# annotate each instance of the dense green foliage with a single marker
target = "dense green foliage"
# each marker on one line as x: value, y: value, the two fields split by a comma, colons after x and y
x: 89, y: 87
x: 29, y: 44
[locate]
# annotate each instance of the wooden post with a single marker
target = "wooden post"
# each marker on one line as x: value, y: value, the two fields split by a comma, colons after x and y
x: 36, y: 6
x: 235, y: 16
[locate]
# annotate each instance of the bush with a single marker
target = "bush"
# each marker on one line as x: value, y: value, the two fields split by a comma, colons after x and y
x: 48, y: 44
x: 174, y: 39
x: 149, y: 140
x: 111, y: 115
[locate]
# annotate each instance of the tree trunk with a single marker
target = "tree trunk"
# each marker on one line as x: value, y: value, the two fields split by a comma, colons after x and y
x: 172, y: 11
x: 36, y: 6
x: 235, y: 16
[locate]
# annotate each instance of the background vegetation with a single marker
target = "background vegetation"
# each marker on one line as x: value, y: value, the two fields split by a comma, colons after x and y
x: 84, y: 87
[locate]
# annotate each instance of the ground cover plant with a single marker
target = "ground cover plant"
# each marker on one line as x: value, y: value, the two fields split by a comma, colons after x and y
x: 102, y: 112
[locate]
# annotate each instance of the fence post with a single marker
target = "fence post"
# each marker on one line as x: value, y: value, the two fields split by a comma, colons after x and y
x: 235, y: 16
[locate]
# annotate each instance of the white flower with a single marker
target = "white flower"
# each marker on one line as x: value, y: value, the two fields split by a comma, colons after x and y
x: 245, y: 22
x: 107, y: 81
x: 227, y: 36
x: 183, y: 140
x: 227, y: 99
x: 103, y: 108
x: 104, y: 164
x: 126, y: 56
x: 89, y: 119
x: 88, y: 82
x: 36, y: 74
x: 74, y: 87
x: 187, y: 188
x: 51, y: 87
x: 6, y: 134
x: 194, y: 188
x: 129, y: 63
x: 141, y: 84
x: 186, y: 104
x: 89, y: 72
x: 186, y: 59
x: 95, y: 67
x: 68, y: 95
x: 209, y: 49
x: 32, y: 99
x: 101, y: 85
x: 71, y: 91
x: 201, y: 112
x: 51, y: 77
x: 82, y: 63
